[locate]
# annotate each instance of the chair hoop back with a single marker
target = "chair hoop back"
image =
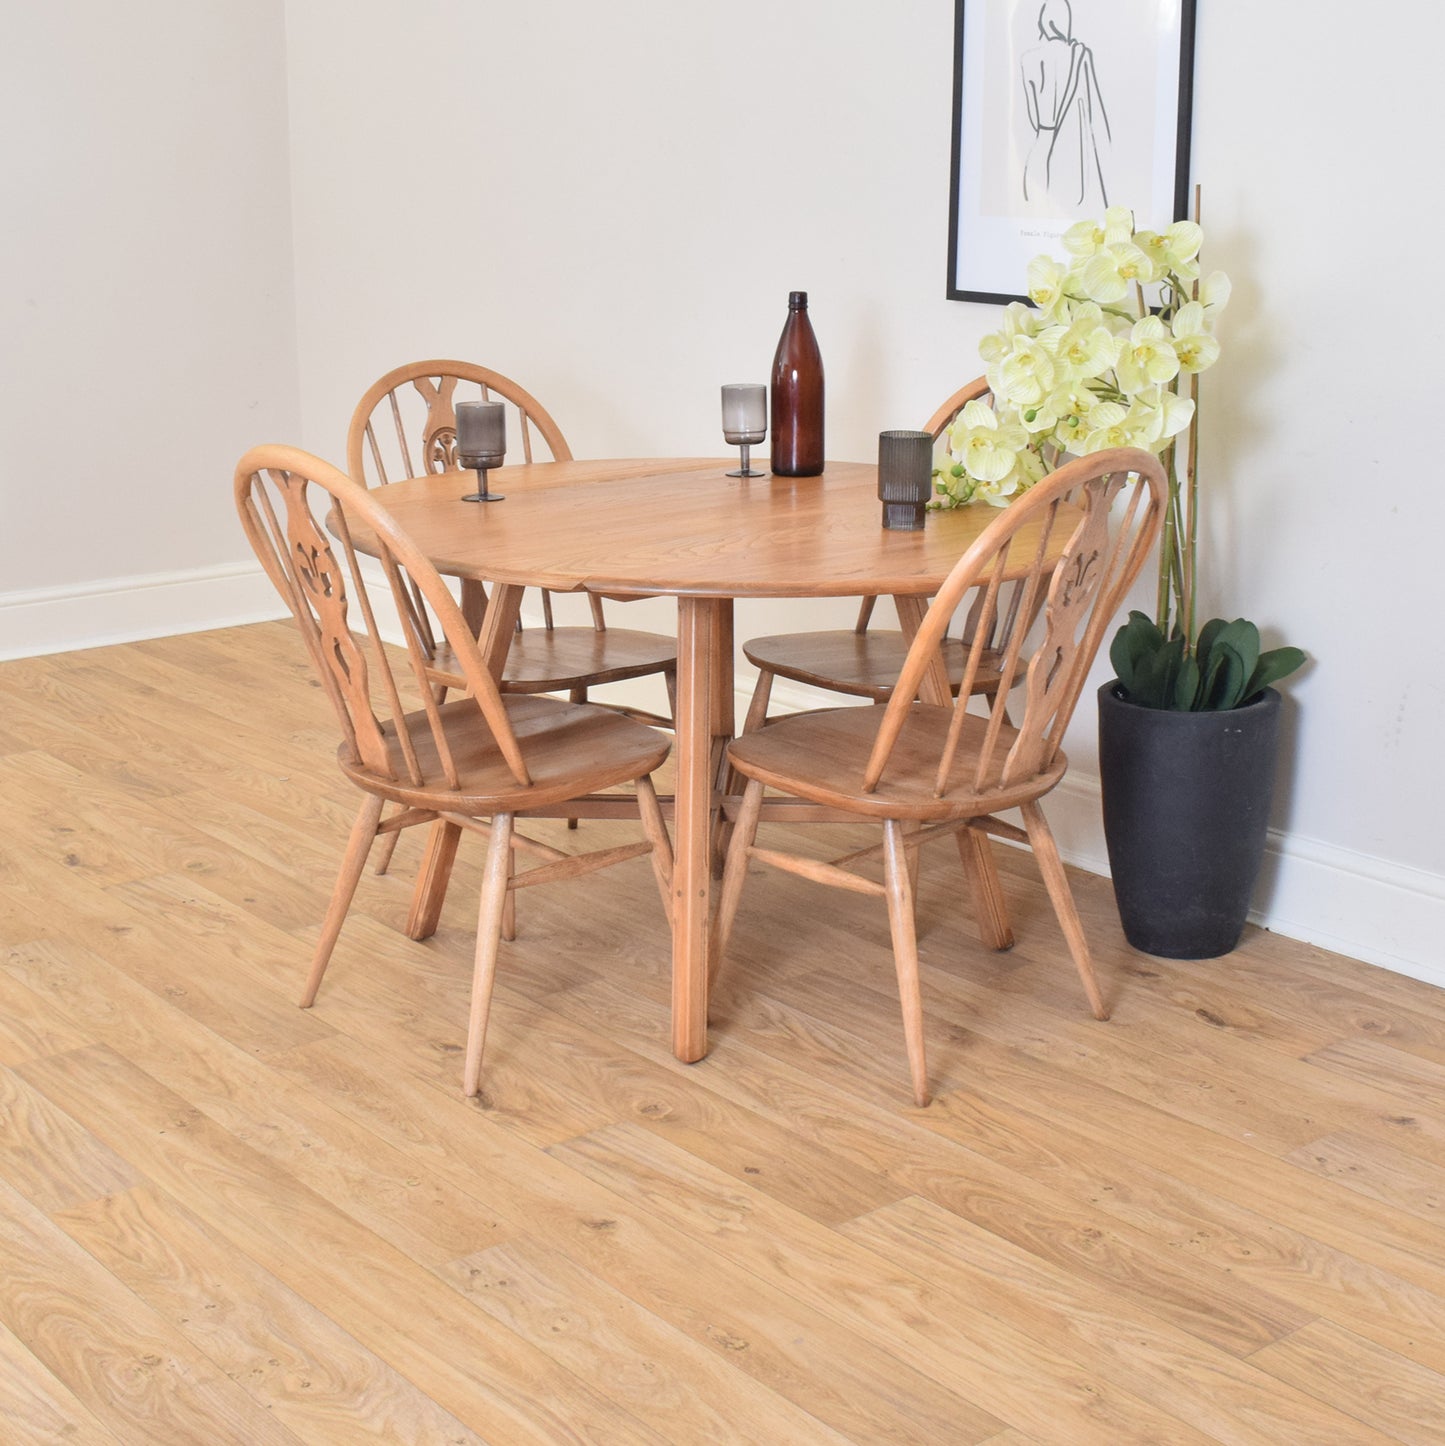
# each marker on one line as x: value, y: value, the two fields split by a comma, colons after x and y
x: 405, y: 425
x: 277, y: 490
x: 1112, y: 503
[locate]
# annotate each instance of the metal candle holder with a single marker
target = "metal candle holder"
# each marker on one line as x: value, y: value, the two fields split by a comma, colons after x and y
x: 905, y: 478
x: 481, y: 444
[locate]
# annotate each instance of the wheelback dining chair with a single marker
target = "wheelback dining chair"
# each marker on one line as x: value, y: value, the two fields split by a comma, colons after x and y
x: 405, y: 426
x: 926, y: 771
x: 862, y: 662
x: 480, y: 761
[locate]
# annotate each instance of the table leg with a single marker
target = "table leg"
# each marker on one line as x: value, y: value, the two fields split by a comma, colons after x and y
x: 704, y: 714
x: 935, y: 686
x: 498, y: 621
x: 474, y: 604
x: 975, y: 852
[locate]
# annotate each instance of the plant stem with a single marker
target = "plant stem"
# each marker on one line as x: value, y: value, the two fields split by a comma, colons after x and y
x: 1168, y: 552
x: 1191, y: 523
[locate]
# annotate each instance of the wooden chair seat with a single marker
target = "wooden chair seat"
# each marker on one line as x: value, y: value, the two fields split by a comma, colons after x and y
x: 822, y: 757
x: 561, y: 659
x: 860, y: 665
x: 571, y: 749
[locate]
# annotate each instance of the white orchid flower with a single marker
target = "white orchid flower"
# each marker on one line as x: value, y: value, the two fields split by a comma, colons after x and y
x: 1174, y: 413
x: 1147, y: 358
x: 1025, y: 375
x: 985, y: 444
x: 1118, y: 224
x: 1109, y: 275
x: 1062, y: 418
x: 1214, y: 292
x: 997, y: 494
x: 1084, y: 238
x: 1085, y: 347
x: 1173, y: 249
x: 1193, y: 345
x: 1110, y: 425
x: 1046, y: 280
x: 1019, y: 319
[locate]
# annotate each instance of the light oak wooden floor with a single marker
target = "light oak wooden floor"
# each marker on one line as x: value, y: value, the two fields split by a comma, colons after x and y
x: 223, y: 1219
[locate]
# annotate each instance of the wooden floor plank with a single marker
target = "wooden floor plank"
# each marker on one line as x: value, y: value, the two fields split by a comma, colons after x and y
x: 301, y: 1365
x: 680, y: 1388
x: 140, y: 1379
x: 37, y: 1407
x: 473, y: 1369
x: 761, y: 1330
x: 1065, y: 1219
x: 1227, y: 1399
x: 939, y: 1340
x: 1378, y: 1387
x: 47, y: 1157
x: 1214, y: 1218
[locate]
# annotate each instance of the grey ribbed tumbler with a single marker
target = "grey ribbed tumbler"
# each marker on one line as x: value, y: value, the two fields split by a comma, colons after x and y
x: 905, y: 478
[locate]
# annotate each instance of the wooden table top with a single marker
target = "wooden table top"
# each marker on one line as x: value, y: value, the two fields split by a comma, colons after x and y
x: 678, y: 526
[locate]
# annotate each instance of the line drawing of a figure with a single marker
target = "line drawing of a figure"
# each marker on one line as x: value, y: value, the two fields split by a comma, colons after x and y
x: 1065, y: 163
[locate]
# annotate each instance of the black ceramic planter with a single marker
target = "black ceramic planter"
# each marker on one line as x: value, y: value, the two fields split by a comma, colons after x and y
x: 1186, y: 808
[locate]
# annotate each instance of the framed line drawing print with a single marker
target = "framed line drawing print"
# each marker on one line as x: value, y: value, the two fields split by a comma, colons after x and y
x: 1062, y: 108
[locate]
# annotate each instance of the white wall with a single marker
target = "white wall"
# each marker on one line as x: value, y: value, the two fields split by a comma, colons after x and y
x: 611, y: 202
x: 147, y: 332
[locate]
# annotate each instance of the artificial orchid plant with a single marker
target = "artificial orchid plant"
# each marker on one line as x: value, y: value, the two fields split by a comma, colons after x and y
x: 1108, y: 354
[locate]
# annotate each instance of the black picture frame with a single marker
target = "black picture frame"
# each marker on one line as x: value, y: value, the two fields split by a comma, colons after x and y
x: 1030, y: 155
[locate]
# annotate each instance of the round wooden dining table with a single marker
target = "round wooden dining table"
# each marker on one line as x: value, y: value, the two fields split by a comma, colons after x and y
x: 681, y: 528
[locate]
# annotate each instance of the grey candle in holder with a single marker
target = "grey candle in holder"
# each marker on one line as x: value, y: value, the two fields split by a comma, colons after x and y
x: 745, y: 420
x: 481, y: 443
x: 905, y: 478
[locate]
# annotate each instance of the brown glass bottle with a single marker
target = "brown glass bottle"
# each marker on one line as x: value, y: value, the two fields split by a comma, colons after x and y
x: 797, y: 395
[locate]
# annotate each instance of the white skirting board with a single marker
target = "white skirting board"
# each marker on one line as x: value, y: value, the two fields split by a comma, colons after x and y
x: 1351, y: 903
x: 126, y: 609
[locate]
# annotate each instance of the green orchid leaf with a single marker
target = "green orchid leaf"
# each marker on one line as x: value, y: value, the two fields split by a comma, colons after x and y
x: 1186, y: 687
x: 1224, y: 685
x: 1136, y: 639
x: 1272, y: 666
x: 1156, y: 677
x: 1243, y: 637
x: 1207, y: 635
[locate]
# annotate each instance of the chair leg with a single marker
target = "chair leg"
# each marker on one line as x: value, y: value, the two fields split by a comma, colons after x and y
x: 363, y: 831
x: 384, y: 853
x: 1056, y: 881
x: 656, y: 831
x: 905, y: 951
x: 744, y: 831
x: 495, y: 877
x: 729, y: 780
x: 989, y: 905
x: 509, y: 906
x: 430, y: 890
x: 389, y: 843
x: 758, y: 707
x: 577, y: 695
x: 669, y: 678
